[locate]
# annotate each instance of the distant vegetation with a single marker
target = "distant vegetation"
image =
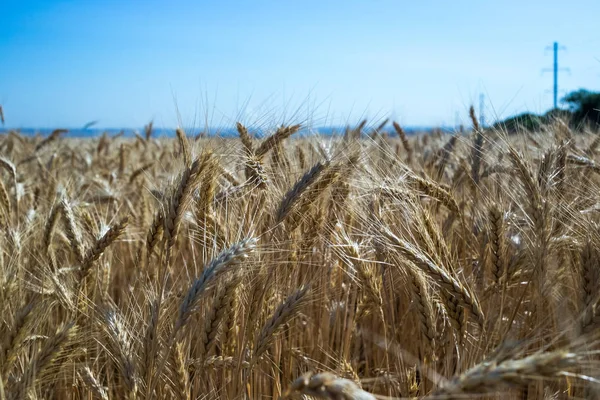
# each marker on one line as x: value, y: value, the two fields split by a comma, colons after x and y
x: 583, y: 109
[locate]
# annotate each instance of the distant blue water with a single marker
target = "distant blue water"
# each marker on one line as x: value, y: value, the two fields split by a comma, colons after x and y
x: 229, y: 132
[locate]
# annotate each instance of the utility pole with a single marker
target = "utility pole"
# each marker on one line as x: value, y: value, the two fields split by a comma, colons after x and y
x: 555, y: 70
x: 481, y: 110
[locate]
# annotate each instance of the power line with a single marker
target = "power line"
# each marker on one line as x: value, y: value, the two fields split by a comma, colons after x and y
x: 555, y: 48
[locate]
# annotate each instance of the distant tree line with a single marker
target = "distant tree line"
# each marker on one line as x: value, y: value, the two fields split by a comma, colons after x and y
x: 582, y: 110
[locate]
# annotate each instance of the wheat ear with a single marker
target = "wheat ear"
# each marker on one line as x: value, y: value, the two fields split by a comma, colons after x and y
x: 111, y: 235
x: 299, y: 190
x: 492, y: 376
x: 87, y: 376
x: 185, y: 147
x: 122, y: 348
x: 452, y: 286
x: 276, y: 138
x: 405, y: 143
x: 72, y: 231
x: 218, y: 265
x: 282, y: 314
x: 327, y: 386
x: 245, y: 138
x: 47, y: 356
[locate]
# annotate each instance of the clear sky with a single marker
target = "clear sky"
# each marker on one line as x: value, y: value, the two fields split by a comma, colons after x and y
x: 123, y: 63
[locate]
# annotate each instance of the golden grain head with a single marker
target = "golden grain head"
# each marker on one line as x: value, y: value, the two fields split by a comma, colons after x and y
x: 360, y: 267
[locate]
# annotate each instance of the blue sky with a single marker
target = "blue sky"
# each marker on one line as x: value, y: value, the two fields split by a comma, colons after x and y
x: 123, y: 63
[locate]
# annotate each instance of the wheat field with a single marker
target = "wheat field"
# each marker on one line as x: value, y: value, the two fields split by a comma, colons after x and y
x: 366, y: 266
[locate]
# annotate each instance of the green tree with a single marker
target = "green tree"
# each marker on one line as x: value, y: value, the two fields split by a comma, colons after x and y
x: 584, y: 105
x: 526, y: 122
